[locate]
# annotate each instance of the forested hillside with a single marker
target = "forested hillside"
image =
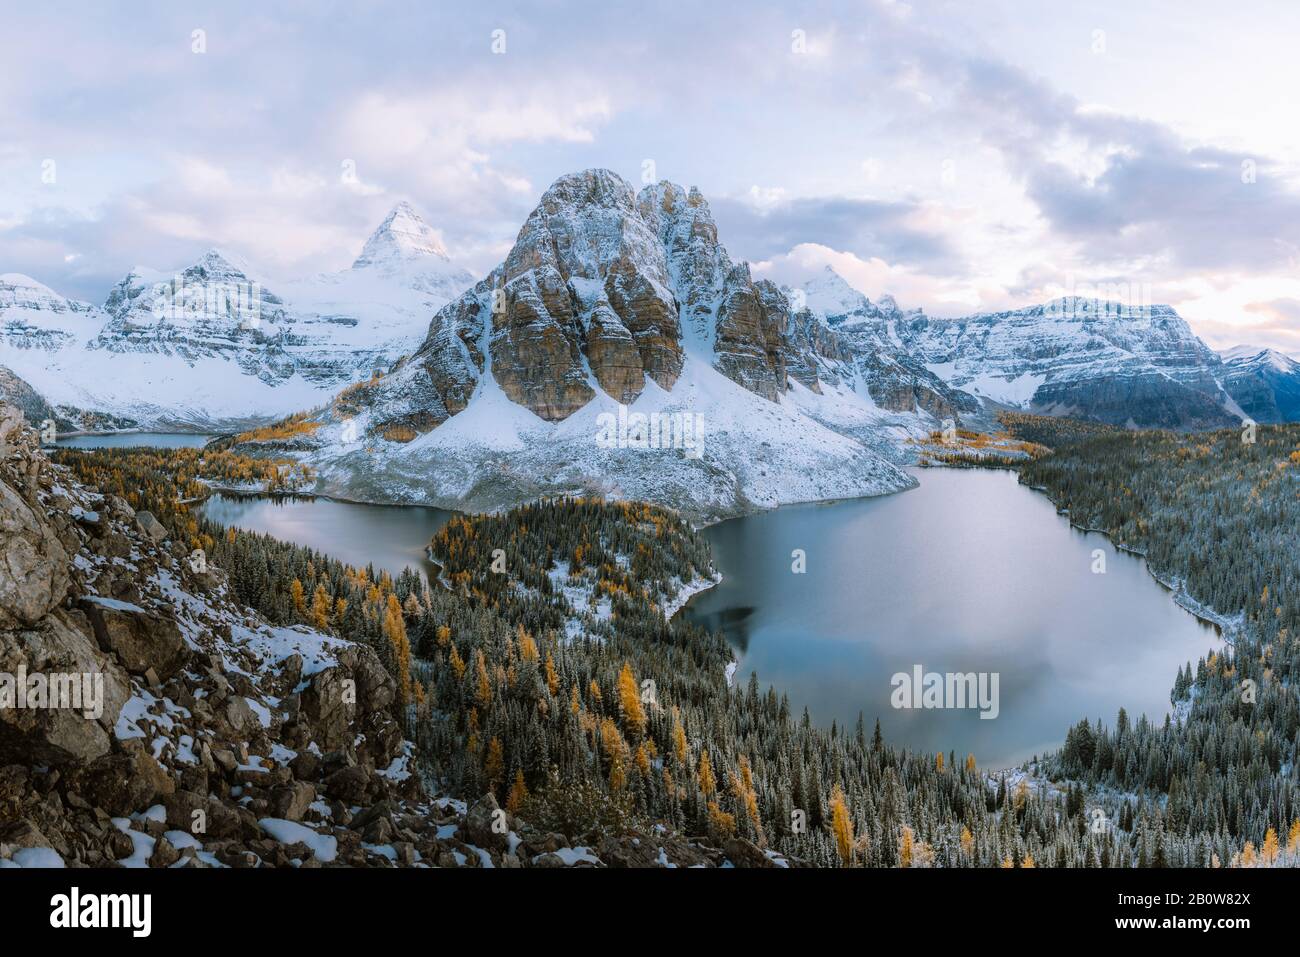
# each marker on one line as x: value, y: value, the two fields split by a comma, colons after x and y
x: 1217, y: 516
x: 540, y: 666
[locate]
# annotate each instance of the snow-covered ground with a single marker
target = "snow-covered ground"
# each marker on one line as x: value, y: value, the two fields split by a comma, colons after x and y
x: 199, y: 356
x: 754, y: 454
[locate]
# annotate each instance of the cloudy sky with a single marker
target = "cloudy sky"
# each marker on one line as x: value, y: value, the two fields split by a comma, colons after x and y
x: 963, y: 156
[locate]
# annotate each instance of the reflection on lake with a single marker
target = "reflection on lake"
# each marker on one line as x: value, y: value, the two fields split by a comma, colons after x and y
x: 157, y: 440
x: 391, y: 537
x: 971, y: 572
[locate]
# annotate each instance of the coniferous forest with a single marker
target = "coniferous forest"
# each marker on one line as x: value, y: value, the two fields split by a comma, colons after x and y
x: 539, y: 665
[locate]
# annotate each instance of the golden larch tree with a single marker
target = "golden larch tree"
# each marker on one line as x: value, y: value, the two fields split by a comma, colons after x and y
x: 629, y: 701
x: 680, y: 750
x: 552, y: 677
x: 842, y: 825
x: 1268, y: 852
x: 321, y: 606
x: 394, y: 629
x: 527, y: 646
x: 708, y: 784
x: 905, y: 847
x: 518, y: 794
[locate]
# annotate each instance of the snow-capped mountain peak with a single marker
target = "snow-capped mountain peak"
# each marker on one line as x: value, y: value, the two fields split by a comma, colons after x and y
x: 34, y: 316
x: 830, y: 296
x: 1263, y: 382
x: 218, y: 264
x: 1259, y: 355
x: 13, y: 281
x: 403, y: 237
x: 616, y: 302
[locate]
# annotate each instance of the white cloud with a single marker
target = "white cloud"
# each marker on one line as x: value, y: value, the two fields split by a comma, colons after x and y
x: 1065, y: 164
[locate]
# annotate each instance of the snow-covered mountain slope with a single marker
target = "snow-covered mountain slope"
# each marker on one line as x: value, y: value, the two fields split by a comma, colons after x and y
x: 1139, y: 366
x: 164, y: 352
x: 894, y: 378
x: 216, y: 347
x: 35, y: 317
x: 1263, y: 382
x: 742, y: 452
x: 383, y: 303
x: 609, y: 298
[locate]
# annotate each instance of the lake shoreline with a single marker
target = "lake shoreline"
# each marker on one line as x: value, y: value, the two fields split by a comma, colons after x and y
x: 1108, y: 642
x: 1229, y: 626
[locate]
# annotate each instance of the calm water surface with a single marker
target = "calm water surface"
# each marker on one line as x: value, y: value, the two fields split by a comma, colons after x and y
x: 391, y: 537
x: 971, y: 572
x: 158, y: 440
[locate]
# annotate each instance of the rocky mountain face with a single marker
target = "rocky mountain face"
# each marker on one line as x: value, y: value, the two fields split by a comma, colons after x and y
x: 147, y: 719
x: 213, y: 309
x: 894, y: 378
x: 214, y: 346
x: 742, y: 323
x: 609, y: 298
x: 607, y: 290
x: 24, y: 398
x: 1263, y: 382
x: 585, y: 286
x: 1134, y: 366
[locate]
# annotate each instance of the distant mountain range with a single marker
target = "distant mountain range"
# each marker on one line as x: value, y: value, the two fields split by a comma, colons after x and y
x: 212, y: 346
x: 1263, y: 382
x: 1138, y: 366
x: 611, y: 297
x: 611, y: 304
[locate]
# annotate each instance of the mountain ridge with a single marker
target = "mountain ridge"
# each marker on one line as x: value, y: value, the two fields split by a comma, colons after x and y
x: 618, y: 302
x: 610, y: 302
x: 1131, y: 365
x: 214, y: 346
x: 614, y: 302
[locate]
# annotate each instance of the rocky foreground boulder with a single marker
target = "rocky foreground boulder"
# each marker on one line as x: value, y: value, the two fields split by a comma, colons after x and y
x: 147, y: 719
